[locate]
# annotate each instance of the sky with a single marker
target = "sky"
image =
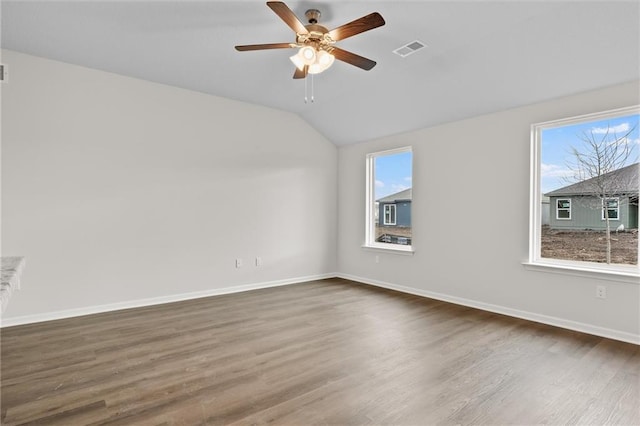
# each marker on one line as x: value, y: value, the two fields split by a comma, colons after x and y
x: 556, y: 146
x: 393, y: 173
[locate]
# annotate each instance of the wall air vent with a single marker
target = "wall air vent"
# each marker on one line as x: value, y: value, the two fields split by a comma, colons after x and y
x: 409, y: 48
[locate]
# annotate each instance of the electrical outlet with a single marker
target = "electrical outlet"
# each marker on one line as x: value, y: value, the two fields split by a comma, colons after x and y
x: 258, y: 261
x: 377, y: 259
x: 601, y: 292
x: 238, y: 263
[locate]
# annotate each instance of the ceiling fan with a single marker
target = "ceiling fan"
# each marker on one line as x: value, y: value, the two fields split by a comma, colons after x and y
x: 316, y: 43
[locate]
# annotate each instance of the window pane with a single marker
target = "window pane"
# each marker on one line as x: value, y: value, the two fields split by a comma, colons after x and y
x: 392, y: 197
x: 585, y: 187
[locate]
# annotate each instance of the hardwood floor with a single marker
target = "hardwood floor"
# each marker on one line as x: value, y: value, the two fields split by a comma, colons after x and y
x: 325, y: 352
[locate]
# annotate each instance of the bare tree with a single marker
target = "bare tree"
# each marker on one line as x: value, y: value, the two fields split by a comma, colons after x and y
x: 595, y: 165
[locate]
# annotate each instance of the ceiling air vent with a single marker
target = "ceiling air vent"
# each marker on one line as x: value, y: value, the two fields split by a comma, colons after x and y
x: 409, y: 48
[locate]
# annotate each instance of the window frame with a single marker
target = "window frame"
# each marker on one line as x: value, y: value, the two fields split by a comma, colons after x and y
x: 558, y: 209
x: 617, y: 208
x: 384, y: 219
x: 369, y: 239
x: 535, y: 262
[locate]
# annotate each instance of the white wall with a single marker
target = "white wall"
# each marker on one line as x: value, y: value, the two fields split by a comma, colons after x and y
x: 120, y: 190
x: 470, y: 221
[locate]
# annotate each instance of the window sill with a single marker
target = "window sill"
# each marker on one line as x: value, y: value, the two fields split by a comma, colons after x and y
x: 630, y: 274
x: 397, y: 249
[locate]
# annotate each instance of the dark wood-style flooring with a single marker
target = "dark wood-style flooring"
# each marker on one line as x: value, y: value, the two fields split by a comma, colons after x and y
x: 324, y: 352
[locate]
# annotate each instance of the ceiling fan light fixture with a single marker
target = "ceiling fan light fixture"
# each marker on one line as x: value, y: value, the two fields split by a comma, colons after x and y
x: 305, y: 56
x: 323, y: 61
x: 297, y: 61
x: 308, y: 54
x: 314, y: 69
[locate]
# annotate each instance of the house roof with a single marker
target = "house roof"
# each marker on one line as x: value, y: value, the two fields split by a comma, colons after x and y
x: 626, y: 176
x: 398, y: 196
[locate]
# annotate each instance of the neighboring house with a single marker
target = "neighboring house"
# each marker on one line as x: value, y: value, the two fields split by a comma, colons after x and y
x: 578, y: 206
x: 395, y: 210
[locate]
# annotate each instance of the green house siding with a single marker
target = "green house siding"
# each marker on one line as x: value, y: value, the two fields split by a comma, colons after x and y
x: 586, y: 213
x: 402, y: 213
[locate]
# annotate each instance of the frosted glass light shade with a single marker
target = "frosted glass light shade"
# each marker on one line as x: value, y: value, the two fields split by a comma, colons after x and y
x: 317, y: 61
x: 305, y: 56
x: 308, y: 54
x: 323, y: 61
x: 297, y: 61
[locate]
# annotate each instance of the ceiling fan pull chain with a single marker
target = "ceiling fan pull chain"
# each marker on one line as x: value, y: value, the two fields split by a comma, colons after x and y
x: 305, y: 91
x: 312, y: 88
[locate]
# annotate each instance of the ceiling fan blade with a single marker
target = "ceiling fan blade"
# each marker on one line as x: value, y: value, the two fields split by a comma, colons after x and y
x: 287, y: 15
x: 353, y: 59
x: 366, y: 23
x: 301, y: 73
x: 247, y: 47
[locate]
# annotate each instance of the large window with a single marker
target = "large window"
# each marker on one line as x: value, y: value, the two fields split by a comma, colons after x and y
x: 586, y: 169
x: 389, y: 198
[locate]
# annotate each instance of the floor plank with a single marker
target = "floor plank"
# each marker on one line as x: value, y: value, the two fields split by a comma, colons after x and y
x: 324, y: 352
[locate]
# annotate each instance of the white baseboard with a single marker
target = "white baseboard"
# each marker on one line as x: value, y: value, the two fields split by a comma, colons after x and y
x: 544, y: 319
x: 50, y: 316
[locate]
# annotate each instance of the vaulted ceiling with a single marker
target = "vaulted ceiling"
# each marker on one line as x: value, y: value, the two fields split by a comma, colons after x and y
x: 481, y: 56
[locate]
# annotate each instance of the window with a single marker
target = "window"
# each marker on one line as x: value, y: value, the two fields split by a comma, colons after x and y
x: 611, y: 208
x: 563, y: 208
x: 586, y: 169
x: 389, y: 214
x: 389, y: 197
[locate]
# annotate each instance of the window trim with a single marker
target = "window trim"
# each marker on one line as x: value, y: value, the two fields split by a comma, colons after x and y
x: 370, y: 226
x: 384, y: 214
x: 617, y: 208
x: 558, y: 209
x: 622, y: 273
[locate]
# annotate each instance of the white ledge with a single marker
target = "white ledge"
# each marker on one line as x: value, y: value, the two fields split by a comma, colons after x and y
x: 397, y: 249
x: 630, y: 274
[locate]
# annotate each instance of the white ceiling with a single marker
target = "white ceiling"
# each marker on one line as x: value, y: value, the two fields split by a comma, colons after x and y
x: 482, y: 56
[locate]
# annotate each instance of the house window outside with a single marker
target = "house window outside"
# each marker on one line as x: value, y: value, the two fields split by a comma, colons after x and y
x: 389, y: 214
x: 587, y: 166
x: 563, y: 209
x: 389, y: 195
x: 612, y: 208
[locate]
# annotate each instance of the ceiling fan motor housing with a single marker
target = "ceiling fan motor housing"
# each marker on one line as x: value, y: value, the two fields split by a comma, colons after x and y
x: 312, y: 15
x: 317, y: 36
